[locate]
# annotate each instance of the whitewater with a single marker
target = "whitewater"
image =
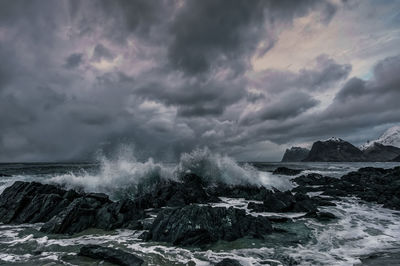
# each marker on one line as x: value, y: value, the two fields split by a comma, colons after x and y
x: 362, y: 233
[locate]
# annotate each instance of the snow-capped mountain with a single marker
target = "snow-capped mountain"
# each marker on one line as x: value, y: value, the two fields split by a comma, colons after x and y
x: 333, y: 139
x: 390, y: 137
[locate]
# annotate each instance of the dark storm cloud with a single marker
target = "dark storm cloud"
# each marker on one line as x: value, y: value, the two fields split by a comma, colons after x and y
x: 195, y: 97
x: 164, y: 76
x: 138, y: 16
x: 286, y: 106
x: 74, y: 60
x: 209, y: 34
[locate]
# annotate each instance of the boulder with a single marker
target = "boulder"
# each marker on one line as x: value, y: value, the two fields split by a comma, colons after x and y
x: 370, y: 184
x: 285, y: 202
x: 32, y: 202
x: 249, y: 192
x: 286, y: 171
x: 170, y: 193
x: 314, y: 180
x: 94, y: 212
x: 320, y: 216
x: 201, y: 225
x: 111, y: 255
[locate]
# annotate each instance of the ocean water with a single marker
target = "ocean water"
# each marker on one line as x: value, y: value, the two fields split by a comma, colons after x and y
x: 364, y: 234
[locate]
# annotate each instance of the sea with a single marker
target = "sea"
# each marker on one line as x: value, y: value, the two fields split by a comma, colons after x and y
x: 364, y: 234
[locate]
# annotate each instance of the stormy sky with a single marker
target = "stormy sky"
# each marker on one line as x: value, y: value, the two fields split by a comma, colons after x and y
x: 244, y: 78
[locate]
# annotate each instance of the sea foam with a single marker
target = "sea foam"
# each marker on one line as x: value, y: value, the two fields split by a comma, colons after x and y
x: 125, y: 176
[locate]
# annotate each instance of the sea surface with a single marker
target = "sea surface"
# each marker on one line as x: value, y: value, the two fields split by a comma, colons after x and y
x: 364, y: 234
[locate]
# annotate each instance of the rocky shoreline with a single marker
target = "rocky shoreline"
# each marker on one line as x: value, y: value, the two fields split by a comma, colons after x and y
x: 183, y: 212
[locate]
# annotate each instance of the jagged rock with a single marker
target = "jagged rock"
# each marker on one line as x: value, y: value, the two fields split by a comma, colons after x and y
x: 381, y: 153
x: 286, y: 171
x: 112, y: 255
x: 176, y: 194
x: 228, y: 262
x: 25, y: 202
x: 249, y: 192
x: 94, y: 212
x: 334, y: 150
x: 295, y: 154
x: 320, y: 216
x: 284, y: 202
x: 370, y: 184
x: 200, y: 225
x: 314, y: 180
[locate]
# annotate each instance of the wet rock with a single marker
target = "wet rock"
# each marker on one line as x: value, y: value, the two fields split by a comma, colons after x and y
x: 31, y: 202
x: 177, y: 194
x: 369, y: 184
x: 314, y: 180
x: 112, y: 255
x: 320, y: 216
x: 228, y: 262
x: 286, y: 171
x: 201, y: 225
x: 94, y: 212
x: 285, y: 202
x: 249, y: 192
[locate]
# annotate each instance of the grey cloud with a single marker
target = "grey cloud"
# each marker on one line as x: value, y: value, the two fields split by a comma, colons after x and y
x: 182, y: 82
x: 102, y: 52
x: 195, y: 96
x: 74, y: 60
x: 357, y: 106
x: 286, y: 106
x: 210, y: 34
x: 325, y: 74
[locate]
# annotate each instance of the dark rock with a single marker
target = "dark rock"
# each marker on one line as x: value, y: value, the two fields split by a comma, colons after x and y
x: 249, y: 192
x: 177, y: 194
x: 228, y: 262
x: 320, y: 216
x: 335, y: 192
x: 201, y: 225
x: 286, y: 171
x: 334, y: 150
x: 295, y: 154
x: 369, y: 184
x: 78, y: 216
x: 285, y: 202
x: 381, y: 153
x: 112, y: 255
x: 31, y: 202
x: 93, y: 212
x: 314, y: 180
x: 101, y: 197
x: 279, y: 219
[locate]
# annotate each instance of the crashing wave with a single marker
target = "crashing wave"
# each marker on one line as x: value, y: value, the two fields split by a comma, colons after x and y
x: 125, y: 176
